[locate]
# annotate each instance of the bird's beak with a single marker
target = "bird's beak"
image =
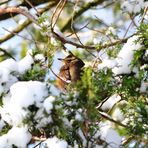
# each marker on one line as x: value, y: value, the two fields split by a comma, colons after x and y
x: 60, y: 59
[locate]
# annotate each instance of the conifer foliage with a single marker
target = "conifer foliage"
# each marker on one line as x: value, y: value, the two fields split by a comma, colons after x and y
x: 107, y: 106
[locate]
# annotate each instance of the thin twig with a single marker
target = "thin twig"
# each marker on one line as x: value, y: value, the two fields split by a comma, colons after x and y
x: 107, y: 5
x: 132, y: 18
x: 128, y: 29
x: 80, y: 12
x: 72, y: 23
x: 16, y: 30
x: 145, y: 11
x: 100, y: 31
x: 104, y: 115
x: 115, y: 104
x: 62, y: 7
x: 53, y: 25
x: 101, y: 21
x: 56, y: 9
x: 90, y: 53
x: 35, y: 138
x: 21, y: 36
x: 38, y: 144
x: 58, y: 76
x: 126, y: 141
x: 29, y: 3
x: 6, y: 53
x: 85, y: 26
x: 101, y: 103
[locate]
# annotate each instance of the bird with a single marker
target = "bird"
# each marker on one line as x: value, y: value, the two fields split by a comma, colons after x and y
x: 70, y: 72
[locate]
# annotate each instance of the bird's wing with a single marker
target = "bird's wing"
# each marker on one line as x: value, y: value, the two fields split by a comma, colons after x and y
x: 78, y: 63
x: 65, y: 73
x: 64, y: 67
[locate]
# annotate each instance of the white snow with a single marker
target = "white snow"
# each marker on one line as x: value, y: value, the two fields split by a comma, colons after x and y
x: 121, y: 64
x: 109, y: 63
x: 7, y: 70
x: 117, y: 114
x: 18, y: 67
x: 41, y: 118
x: 55, y: 142
x: 15, y: 110
x: 13, y: 114
x: 78, y: 115
x: 110, y: 135
x: 54, y: 41
x: 4, y: 141
x: 40, y: 57
x: 10, y: 70
x: 9, y: 64
x: 26, y: 93
x: 125, y: 56
x: 133, y: 6
x: 48, y: 103
x: 25, y: 64
x: 2, y: 124
x: 23, y: 94
x: 111, y: 31
x: 143, y: 87
x: 21, y: 21
x: 110, y: 102
x: 19, y: 136
x: 82, y: 136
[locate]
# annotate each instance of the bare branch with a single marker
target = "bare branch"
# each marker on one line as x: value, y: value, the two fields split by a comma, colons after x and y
x: 104, y: 115
x: 19, y: 28
x: 29, y: 3
x: 7, y: 53
x: 25, y: 4
x: 14, y: 31
x: 72, y: 23
x: 101, y: 21
x: 64, y: 2
x: 145, y: 11
x: 4, y: 2
x: 127, y: 29
x: 64, y: 40
x: 19, y: 11
x: 85, y: 26
x: 80, y: 12
x: 126, y: 141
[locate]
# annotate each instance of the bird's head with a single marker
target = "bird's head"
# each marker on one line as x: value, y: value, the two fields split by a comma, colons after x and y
x: 68, y: 59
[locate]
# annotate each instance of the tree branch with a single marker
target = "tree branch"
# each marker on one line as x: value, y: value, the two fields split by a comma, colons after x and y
x: 80, y: 12
x: 25, y: 4
x: 19, y: 11
x: 7, y: 53
x: 14, y: 31
x: 19, y: 28
x: 64, y: 40
x: 104, y: 115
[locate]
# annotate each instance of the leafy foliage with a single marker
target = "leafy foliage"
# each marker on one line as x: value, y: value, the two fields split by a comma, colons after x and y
x: 78, y: 114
